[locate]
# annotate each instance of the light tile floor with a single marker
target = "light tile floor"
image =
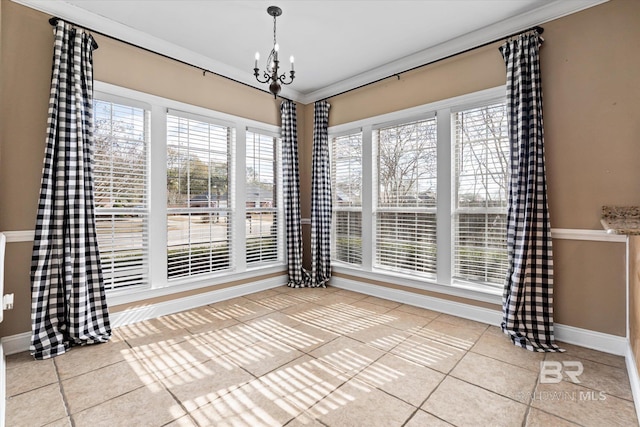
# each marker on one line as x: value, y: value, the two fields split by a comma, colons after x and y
x: 313, y: 357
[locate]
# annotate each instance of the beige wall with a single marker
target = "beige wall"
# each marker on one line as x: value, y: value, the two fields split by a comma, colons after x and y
x: 470, y: 72
x: 591, y: 92
x: 590, y: 62
x: 26, y: 41
x: 26, y: 71
x: 128, y: 66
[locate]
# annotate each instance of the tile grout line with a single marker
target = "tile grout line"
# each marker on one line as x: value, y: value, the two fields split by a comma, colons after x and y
x: 306, y: 351
x: 564, y: 380
x: 342, y: 335
x: 62, y: 393
x: 388, y: 352
x: 173, y: 396
x: 385, y: 353
x: 425, y: 401
x: 160, y: 383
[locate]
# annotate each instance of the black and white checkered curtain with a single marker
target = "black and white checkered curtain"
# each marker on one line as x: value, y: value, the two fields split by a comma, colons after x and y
x: 298, y: 276
x: 320, y: 198
x: 68, y: 301
x: 528, y: 294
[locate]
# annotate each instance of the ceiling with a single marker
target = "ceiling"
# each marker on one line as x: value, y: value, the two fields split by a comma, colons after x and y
x: 338, y: 45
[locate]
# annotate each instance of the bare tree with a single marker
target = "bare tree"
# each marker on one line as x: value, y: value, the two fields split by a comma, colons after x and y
x: 121, y: 156
x: 347, y: 168
x: 483, y: 157
x: 407, y: 163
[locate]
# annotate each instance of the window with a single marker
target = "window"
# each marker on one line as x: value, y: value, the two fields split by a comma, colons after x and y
x: 261, y: 198
x: 186, y: 197
x: 198, y: 197
x: 346, y: 181
x: 120, y: 178
x: 481, y: 179
x: 406, y: 209
x: 420, y: 196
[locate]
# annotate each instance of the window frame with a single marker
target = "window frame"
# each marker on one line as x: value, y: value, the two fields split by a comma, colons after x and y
x: 159, y: 284
x: 193, y: 120
x: 457, y: 211
x: 143, y: 211
x: 337, y: 208
x: 278, y: 209
x: 443, y: 282
x: 379, y: 209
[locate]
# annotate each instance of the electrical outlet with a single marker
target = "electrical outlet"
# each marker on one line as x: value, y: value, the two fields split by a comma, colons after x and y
x: 7, y: 302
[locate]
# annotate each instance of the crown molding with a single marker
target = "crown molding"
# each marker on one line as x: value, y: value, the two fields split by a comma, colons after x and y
x: 549, y: 11
x: 100, y: 24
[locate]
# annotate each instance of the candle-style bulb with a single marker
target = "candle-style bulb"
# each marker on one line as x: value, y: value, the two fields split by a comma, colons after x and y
x: 291, y: 59
x: 276, y: 47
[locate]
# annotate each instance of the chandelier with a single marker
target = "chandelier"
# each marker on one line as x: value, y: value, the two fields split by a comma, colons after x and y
x: 273, y: 64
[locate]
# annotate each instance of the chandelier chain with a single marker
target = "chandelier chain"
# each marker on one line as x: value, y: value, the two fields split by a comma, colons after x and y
x: 274, y: 30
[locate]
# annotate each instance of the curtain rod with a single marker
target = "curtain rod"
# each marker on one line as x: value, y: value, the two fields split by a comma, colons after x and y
x: 539, y: 29
x: 54, y: 21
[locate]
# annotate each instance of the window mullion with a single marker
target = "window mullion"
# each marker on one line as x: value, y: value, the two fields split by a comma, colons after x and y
x: 239, y: 236
x: 158, y: 197
x: 445, y: 166
x: 368, y: 189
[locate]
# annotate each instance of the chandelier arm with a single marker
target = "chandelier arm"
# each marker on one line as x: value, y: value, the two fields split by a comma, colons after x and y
x: 283, y: 77
x: 265, y: 75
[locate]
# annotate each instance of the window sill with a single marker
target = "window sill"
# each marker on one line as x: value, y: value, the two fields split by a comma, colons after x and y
x: 128, y: 296
x: 458, y: 289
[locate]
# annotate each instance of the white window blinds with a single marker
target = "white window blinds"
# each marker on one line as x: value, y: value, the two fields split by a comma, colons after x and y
x: 406, y: 198
x: 481, y: 179
x: 261, y: 198
x: 121, y: 174
x: 198, y: 204
x: 346, y: 181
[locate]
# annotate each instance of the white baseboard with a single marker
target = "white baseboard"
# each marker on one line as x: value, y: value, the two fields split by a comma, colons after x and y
x: 479, y: 314
x: 152, y: 311
x: 634, y: 378
x: 591, y: 339
x: 569, y: 334
x: 20, y: 342
x: 583, y: 337
x: 16, y: 343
